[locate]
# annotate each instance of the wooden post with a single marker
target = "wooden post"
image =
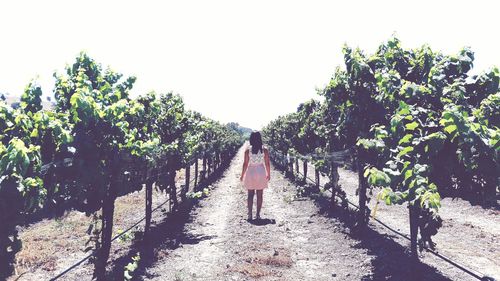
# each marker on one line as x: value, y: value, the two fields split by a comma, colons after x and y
x: 149, y: 204
x: 149, y: 191
x: 304, y: 166
x: 209, y: 165
x: 316, y: 175
x: 334, y: 179
x: 414, y: 216
x: 195, y: 174
x: 204, y: 174
x: 214, y: 163
x: 214, y: 166
x: 297, y: 165
x: 221, y: 159
x: 169, y: 189
x: 187, y: 176
x: 173, y: 188
x: 217, y: 161
x: 108, y: 210
x: 362, y: 186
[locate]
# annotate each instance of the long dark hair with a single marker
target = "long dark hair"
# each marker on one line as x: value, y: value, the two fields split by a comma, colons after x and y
x: 256, y: 142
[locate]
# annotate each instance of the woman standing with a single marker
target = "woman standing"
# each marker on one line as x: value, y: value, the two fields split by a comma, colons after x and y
x: 256, y: 172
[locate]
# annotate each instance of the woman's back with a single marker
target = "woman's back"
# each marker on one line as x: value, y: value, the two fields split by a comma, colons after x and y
x: 257, y: 158
x: 256, y: 172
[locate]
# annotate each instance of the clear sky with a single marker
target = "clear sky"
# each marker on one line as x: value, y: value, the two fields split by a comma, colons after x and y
x: 243, y: 61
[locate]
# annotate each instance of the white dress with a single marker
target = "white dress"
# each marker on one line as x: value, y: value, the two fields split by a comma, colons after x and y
x: 255, y: 175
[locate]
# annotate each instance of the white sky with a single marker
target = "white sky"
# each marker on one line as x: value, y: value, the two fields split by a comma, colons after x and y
x: 243, y: 61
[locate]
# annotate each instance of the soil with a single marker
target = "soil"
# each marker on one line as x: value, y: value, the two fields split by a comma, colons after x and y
x: 298, y: 238
x: 470, y: 234
x: 290, y: 242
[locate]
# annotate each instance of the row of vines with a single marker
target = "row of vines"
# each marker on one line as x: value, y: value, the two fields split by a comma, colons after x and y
x: 417, y: 123
x: 96, y: 144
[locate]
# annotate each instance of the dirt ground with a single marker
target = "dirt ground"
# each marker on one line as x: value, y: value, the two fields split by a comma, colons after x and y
x: 52, y: 245
x: 470, y: 234
x: 298, y: 238
x: 291, y: 242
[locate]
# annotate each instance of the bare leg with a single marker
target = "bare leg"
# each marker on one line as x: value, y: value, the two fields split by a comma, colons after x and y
x: 260, y: 194
x: 250, y: 203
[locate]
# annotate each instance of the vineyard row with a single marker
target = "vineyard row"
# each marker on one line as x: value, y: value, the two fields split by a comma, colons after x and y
x: 96, y: 145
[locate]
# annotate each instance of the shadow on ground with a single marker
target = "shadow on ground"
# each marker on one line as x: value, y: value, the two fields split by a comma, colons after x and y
x: 261, y: 221
x: 169, y: 234
x: 391, y: 260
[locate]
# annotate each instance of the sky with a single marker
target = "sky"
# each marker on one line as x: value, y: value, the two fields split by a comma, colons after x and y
x: 241, y: 61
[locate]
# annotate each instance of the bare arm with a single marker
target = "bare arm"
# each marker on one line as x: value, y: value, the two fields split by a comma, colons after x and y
x: 267, y: 163
x: 245, y: 164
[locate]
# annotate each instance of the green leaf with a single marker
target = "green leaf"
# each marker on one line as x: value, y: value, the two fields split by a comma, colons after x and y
x: 405, y: 151
x: 407, y: 138
x: 408, y: 174
x: 378, y: 178
x: 366, y: 173
x: 450, y: 128
x: 34, y: 133
x: 411, y: 126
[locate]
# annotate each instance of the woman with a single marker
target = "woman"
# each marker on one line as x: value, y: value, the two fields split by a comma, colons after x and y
x: 256, y: 172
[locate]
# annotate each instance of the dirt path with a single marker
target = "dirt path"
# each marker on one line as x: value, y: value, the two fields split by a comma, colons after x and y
x: 299, y: 238
x: 292, y: 242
